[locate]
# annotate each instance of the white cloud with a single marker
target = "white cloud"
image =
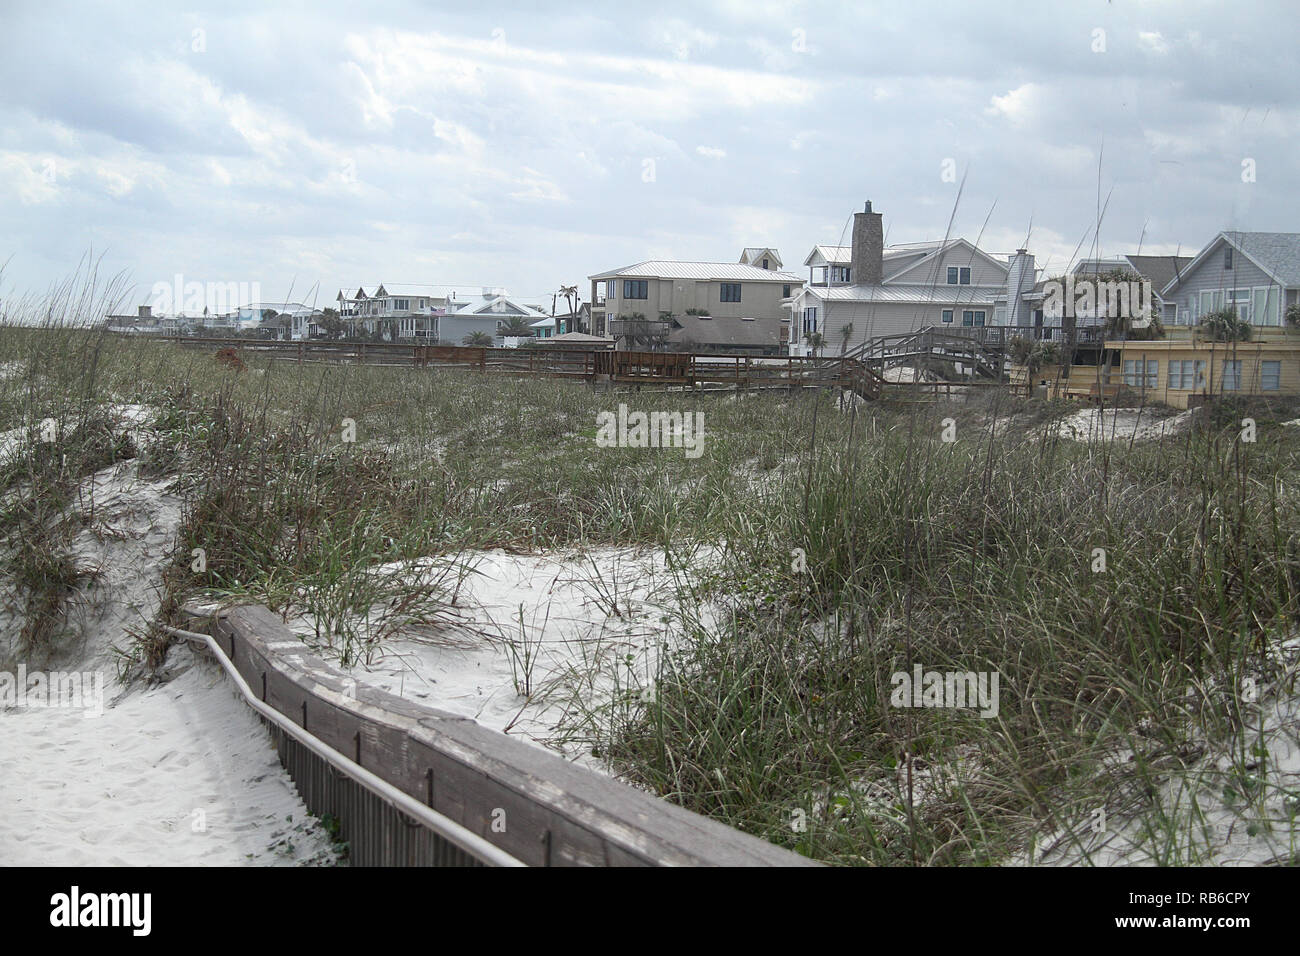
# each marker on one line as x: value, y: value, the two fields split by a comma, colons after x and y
x: 711, y: 152
x: 1152, y: 42
x: 1018, y: 105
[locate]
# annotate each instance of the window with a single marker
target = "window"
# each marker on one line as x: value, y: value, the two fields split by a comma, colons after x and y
x: 953, y: 272
x: 1227, y: 258
x: 840, y: 273
x: 1140, y: 373
x: 730, y: 292
x: 965, y: 278
x: 785, y: 292
x: 764, y: 263
x: 809, y: 321
x: 1239, y: 302
x: 947, y: 315
x: 636, y: 289
x: 1187, y: 374
x: 1232, y: 376
x: 1270, y: 376
x: 979, y: 318
x: 402, y: 305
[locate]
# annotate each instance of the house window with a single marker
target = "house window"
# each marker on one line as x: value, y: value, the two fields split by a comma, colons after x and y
x: 402, y: 305
x: 764, y: 263
x: 731, y: 292
x: 947, y: 315
x: 840, y: 273
x: 1239, y: 302
x: 972, y: 317
x: 965, y: 278
x: 1227, y: 258
x: 636, y: 289
x: 1139, y: 373
x: 809, y: 321
x: 785, y: 292
x: 1232, y: 375
x: 1186, y: 374
x: 1270, y: 376
x: 953, y: 272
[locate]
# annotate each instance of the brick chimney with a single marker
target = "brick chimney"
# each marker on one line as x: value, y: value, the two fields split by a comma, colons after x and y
x: 868, y: 248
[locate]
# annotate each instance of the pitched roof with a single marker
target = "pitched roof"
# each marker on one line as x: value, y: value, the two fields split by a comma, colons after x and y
x: 1160, y: 270
x: 1277, y: 253
x: 674, y: 269
x: 916, y: 293
x: 752, y: 255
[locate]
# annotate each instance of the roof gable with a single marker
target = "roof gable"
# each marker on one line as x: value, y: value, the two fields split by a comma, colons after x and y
x: 940, y: 250
x: 1277, y: 254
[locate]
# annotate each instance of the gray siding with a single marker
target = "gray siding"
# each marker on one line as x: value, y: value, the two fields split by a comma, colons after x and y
x: 1209, y: 275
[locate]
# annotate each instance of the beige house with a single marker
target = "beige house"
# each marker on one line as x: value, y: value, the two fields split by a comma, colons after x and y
x: 647, y: 305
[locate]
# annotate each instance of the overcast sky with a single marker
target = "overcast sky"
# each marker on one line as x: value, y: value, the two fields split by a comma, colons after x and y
x: 476, y: 144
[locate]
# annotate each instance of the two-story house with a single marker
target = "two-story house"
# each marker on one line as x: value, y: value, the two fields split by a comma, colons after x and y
x: 670, y: 303
x: 867, y: 290
x: 1257, y: 276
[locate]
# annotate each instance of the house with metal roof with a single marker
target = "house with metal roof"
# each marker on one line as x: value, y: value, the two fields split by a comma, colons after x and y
x: 858, y: 292
x: 638, y: 304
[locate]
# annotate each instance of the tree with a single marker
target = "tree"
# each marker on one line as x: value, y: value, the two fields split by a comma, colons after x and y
x: 815, y: 342
x: 332, y: 324
x: 847, y: 333
x: 570, y: 293
x: 1293, y: 316
x: 477, y: 338
x: 516, y: 327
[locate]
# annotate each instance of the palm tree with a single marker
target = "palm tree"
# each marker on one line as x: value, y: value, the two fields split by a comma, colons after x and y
x: 570, y: 293
x: 516, y: 327
x: 847, y: 332
x: 477, y: 338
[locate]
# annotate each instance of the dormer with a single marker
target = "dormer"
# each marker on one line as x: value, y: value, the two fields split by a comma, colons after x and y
x: 761, y: 258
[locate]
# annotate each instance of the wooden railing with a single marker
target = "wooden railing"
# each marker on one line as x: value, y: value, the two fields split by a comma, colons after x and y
x: 515, y: 801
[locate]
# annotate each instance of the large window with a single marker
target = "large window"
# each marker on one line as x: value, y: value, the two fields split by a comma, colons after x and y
x: 809, y: 321
x: 841, y: 273
x: 1270, y: 376
x: 1232, y: 375
x: 972, y: 317
x: 1141, y: 373
x: 731, y: 292
x: 636, y: 289
x: 1187, y: 374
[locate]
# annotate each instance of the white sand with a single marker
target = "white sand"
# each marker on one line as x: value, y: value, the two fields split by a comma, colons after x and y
x: 177, y: 774
x: 1123, y: 424
x: 582, y: 649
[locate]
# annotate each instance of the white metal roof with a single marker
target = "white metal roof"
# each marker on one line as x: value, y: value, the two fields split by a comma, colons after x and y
x: 674, y: 269
x: 916, y: 293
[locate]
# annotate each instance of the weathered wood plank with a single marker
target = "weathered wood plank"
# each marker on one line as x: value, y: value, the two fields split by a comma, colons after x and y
x: 546, y: 809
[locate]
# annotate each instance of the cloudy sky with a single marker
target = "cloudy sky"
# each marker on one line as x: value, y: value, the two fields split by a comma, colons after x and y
x: 490, y: 144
